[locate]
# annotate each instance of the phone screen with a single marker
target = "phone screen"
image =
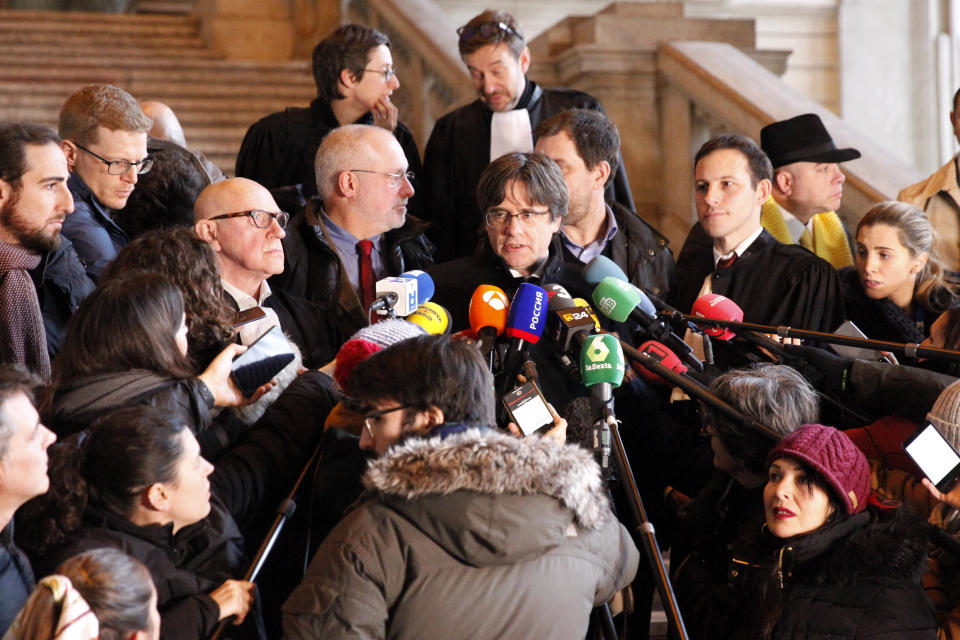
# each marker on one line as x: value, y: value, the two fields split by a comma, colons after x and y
x: 934, y: 455
x: 528, y: 408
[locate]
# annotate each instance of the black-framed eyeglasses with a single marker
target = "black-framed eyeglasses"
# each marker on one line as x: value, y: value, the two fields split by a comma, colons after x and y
x: 487, y: 30
x: 388, y: 74
x: 120, y: 167
x: 376, y: 415
x: 261, y: 219
x: 395, y: 178
x: 501, y: 218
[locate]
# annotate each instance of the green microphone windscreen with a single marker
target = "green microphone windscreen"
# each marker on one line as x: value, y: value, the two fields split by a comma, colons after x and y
x: 601, y: 360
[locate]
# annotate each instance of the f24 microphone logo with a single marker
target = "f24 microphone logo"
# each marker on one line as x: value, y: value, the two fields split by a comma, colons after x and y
x: 597, y: 350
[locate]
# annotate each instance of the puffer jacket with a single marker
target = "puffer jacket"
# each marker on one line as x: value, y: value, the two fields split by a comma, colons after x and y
x: 858, y: 578
x: 478, y: 535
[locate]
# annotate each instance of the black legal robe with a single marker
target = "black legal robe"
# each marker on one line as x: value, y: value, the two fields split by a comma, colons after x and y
x: 459, y: 150
x: 774, y: 283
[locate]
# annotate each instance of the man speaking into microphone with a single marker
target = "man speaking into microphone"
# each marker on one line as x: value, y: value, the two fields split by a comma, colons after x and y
x: 524, y: 200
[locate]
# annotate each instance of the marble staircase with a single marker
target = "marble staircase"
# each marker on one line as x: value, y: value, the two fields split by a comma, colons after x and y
x: 45, y: 56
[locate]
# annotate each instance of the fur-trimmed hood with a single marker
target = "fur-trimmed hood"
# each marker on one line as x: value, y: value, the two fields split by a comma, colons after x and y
x: 489, y: 498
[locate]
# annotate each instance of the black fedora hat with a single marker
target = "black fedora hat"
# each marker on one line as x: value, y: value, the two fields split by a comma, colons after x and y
x: 801, y: 139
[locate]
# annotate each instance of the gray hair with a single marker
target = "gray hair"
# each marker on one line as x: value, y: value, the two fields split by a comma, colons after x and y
x: 346, y: 147
x: 774, y: 395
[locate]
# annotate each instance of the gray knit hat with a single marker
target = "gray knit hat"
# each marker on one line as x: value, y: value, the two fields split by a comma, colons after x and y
x: 945, y: 414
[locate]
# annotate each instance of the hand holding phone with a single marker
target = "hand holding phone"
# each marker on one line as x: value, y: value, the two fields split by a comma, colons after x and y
x: 262, y: 360
x: 935, y: 456
x: 527, y: 408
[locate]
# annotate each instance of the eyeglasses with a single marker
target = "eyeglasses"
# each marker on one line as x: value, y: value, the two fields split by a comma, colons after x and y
x: 121, y: 167
x: 395, y: 178
x: 388, y: 74
x: 487, y: 30
x: 501, y: 218
x: 261, y: 219
x: 376, y: 415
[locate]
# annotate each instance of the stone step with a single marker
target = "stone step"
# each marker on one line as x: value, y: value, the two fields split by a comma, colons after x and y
x: 83, y: 58
x: 250, y: 77
x: 112, y: 42
x: 66, y: 50
x: 159, y: 90
x: 201, y: 107
x: 73, y: 22
x: 167, y: 7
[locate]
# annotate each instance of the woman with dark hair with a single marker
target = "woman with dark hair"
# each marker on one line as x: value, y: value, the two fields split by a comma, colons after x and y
x: 160, y: 505
x: 898, y: 287
x: 117, y: 601
x: 127, y: 344
x: 191, y: 265
x: 827, y: 563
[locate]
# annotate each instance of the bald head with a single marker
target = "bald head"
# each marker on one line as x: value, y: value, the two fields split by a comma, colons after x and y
x: 165, y: 123
x: 247, y: 254
x: 349, y: 147
x: 229, y: 196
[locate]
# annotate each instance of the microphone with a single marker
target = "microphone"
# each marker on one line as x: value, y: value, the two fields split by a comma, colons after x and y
x: 662, y: 355
x: 558, y: 297
x: 619, y: 300
x: 402, y: 294
x: 602, y: 267
x: 525, y: 324
x: 602, y: 369
x: 431, y: 317
x: 488, y: 314
x: 713, y: 306
x: 717, y: 307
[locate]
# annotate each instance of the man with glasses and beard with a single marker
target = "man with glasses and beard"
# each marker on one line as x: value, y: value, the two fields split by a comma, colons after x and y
x: 34, y: 202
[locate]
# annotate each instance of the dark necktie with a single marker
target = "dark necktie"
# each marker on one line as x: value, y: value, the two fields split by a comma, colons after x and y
x: 724, y: 263
x: 368, y: 289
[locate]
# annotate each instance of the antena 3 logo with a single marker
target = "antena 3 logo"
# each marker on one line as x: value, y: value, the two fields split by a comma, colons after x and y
x: 496, y: 300
x: 607, y: 305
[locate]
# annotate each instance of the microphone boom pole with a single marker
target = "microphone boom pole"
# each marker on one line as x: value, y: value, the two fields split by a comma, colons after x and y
x: 909, y: 350
x: 696, y: 390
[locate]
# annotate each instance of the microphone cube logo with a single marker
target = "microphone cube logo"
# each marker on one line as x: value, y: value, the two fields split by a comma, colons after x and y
x: 496, y: 300
x: 607, y: 305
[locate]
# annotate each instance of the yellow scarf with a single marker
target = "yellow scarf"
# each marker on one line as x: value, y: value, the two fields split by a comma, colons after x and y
x: 829, y: 238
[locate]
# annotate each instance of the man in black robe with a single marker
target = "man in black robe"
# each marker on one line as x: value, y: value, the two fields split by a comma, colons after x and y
x: 355, y: 76
x: 773, y: 283
x: 501, y: 120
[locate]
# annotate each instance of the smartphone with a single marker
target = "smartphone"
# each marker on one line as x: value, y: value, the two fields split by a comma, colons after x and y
x: 248, y: 315
x: 935, y: 456
x: 528, y: 408
x: 262, y: 360
x: 850, y: 330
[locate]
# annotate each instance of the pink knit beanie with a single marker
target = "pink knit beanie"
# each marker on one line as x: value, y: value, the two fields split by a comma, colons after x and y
x: 834, y: 456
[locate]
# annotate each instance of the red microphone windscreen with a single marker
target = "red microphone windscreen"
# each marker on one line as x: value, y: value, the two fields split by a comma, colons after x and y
x: 662, y: 354
x: 489, y: 307
x: 717, y: 307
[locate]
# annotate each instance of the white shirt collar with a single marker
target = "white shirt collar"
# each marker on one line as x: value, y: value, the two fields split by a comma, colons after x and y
x: 739, y: 249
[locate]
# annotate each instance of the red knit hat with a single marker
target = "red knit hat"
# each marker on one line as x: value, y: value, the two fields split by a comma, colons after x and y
x: 834, y: 456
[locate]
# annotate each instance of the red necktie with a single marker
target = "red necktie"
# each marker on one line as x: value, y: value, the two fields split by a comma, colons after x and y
x: 368, y: 289
x: 724, y: 263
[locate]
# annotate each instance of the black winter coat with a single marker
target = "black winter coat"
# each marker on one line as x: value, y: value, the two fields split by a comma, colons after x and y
x: 312, y: 268
x: 16, y: 579
x: 247, y: 483
x: 62, y: 284
x: 858, y: 578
